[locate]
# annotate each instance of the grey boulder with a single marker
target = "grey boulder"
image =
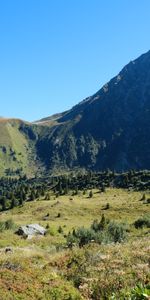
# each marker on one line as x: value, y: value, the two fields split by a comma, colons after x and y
x: 28, y: 231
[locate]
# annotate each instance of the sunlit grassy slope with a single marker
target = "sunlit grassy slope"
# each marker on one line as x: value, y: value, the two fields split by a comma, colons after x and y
x: 38, y: 268
x: 16, y: 148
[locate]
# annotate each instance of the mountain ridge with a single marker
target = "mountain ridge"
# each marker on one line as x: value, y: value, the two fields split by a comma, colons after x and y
x: 107, y: 130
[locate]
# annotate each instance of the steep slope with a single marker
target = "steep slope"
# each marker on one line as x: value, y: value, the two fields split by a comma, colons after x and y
x: 17, y: 147
x: 108, y: 130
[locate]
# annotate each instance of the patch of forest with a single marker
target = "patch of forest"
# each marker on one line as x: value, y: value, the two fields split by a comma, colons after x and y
x: 16, y: 191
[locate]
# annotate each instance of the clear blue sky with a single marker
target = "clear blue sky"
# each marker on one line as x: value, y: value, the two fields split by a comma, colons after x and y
x: 54, y: 53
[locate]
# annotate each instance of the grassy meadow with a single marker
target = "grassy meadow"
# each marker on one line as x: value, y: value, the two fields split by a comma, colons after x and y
x: 45, y: 268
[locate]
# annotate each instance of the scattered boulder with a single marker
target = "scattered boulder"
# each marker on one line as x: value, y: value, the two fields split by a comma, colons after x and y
x: 31, y: 230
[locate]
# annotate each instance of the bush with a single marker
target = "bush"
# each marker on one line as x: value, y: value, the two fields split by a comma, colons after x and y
x: 117, y: 232
x: 90, y: 194
x: 2, y: 226
x: 143, y: 197
x: 76, y: 267
x: 142, y: 222
x: 103, y: 189
x: 9, y: 224
x: 99, y: 226
x: 95, y: 226
x: 58, y: 215
x: 140, y: 292
x: 51, y: 231
x: 60, y: 229
x: 71, y: 240
x: 99, y: 232
x: 81, y: 237
x: 85, y: 236
x: 62, y: 290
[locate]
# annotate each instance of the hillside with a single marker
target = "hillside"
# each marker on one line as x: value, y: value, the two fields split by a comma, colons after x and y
x: 110, y: 129
x: 17, y: 147
x: 58, y: 266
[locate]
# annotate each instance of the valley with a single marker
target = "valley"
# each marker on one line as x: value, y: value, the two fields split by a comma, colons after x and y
x: 75, y: 197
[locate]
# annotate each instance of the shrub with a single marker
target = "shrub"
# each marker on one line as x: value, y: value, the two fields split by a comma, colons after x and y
x: 58, y: 215
x: 81, y: 237
x: 99, y: 232
x: 47, y: 196
x: 102, y: 223
x: 51, y: 231
x: 76, y: 267
x: 9, y: 224
x: 117, y: 232
x: 90, y: 194
x: 95, y: 225
x: 143, y: 197
x: 142, y: 222
x: 85, y: 236
x: 84, y: 192
x: 140, y: 292
x: 103, y: 189
x: 99, y: 226
x: 60, y: 229
x: 2, y: 226
x: 71, y: 240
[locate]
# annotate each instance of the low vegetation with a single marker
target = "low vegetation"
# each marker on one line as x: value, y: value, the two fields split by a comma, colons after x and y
x: 97, y: 244
x: 99, y: 232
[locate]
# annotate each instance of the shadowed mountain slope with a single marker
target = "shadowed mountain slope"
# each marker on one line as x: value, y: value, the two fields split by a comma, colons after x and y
x: 110, y: 129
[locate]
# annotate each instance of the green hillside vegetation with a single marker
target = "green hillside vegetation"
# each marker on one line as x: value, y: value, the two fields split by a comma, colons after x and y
x: 96, y: 247
x: 17, y: 153
x: 16, y: 191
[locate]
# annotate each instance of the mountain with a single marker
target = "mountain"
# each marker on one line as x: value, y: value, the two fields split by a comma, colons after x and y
x: 110, y: 129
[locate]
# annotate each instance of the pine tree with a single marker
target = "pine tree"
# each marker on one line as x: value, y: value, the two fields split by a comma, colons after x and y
x: 3, y: 203
x: 102, y: 222
x: 21, y: 199
x: 90, y: 194
x: 13, y: 202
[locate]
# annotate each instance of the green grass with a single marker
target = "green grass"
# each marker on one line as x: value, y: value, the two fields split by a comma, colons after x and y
x: 125, y: 207
x: 13, y: 138
x: 43, y: 261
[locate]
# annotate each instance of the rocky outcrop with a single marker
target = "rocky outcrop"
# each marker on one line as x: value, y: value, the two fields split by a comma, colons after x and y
x: 31, y: 230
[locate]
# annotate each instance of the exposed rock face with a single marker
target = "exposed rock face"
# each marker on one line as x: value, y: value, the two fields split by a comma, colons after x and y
x: 28, y: 231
